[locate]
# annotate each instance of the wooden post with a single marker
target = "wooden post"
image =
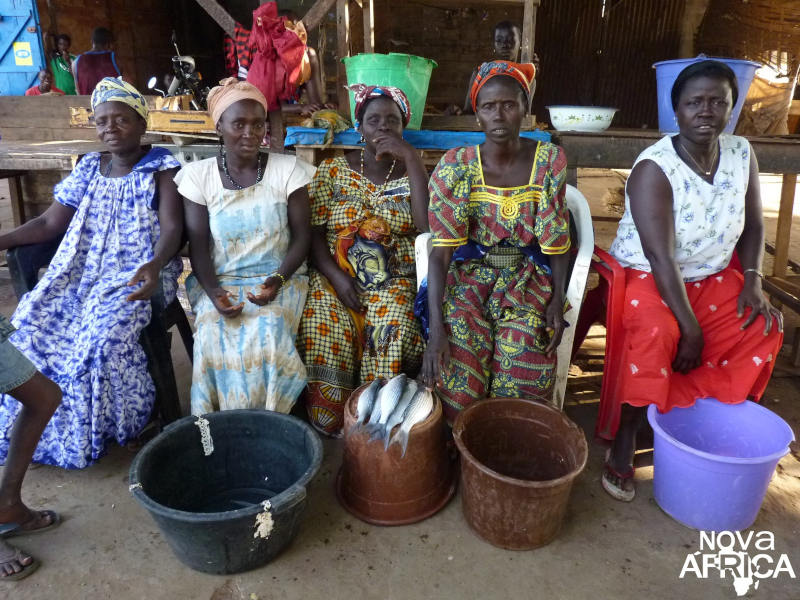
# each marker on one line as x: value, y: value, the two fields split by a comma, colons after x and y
x: 276, y: 132
x: 784, y: 228
x: 529, y: 29
x: 369, y: 26
x: 17, y: 200
x: 316, y: 13
x: 693, y: 15
x: 342, y: 50
x: 220, y: 15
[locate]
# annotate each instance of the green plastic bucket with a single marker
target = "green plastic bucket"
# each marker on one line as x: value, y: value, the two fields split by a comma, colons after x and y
x: 408, y: 72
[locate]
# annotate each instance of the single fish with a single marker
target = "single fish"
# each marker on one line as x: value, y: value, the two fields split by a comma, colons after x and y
x: 387, y: 400
x: 413, y: 389
x: 418, y: 411
x: 366, y: 401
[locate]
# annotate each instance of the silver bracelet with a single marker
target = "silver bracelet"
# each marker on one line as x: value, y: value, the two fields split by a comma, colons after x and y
x: 756, y: 271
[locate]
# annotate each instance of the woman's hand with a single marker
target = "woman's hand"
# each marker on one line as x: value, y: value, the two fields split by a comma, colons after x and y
x: 389, y: 145
x: 436, y: 359
x: 147, y: 275
x: 269, y: 289
x: 223, y: 302
x: 345, y: 287
x: 752, y: 297
x: 554, y: 323
x: 690, y: 350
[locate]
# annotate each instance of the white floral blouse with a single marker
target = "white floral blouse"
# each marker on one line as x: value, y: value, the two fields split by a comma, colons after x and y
x: 709, y: 217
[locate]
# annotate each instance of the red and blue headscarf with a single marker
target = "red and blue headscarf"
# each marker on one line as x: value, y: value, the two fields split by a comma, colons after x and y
x: 523, y: 73
x: 364, y: 93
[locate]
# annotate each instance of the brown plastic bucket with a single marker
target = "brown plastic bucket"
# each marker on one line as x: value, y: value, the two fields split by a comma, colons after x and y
x: 518, y: 461
x: 383, y: 488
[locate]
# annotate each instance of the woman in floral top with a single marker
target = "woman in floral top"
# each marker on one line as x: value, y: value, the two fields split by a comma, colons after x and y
x: 694, y: 326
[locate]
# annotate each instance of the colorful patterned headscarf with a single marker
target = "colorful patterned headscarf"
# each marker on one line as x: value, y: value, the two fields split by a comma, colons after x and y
x: 113, y: 89
x: 229, y: 91
x: 523, y: 73
x: 363, y: 93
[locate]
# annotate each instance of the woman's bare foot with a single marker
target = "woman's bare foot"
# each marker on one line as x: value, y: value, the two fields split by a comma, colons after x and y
x: 14, y: 563
x: 618, y: 483
x: 25, y: 519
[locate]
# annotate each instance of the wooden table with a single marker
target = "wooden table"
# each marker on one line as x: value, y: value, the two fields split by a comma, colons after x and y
x: 19, y: 158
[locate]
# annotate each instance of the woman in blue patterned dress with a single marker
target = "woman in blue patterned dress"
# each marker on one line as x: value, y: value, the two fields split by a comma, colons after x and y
x: 80, y: 325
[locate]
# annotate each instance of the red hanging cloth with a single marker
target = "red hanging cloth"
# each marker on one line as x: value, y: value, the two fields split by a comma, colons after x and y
x: 277, y: 56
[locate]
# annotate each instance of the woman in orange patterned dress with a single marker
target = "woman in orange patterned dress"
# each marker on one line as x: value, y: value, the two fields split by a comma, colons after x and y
x: 367, y: 207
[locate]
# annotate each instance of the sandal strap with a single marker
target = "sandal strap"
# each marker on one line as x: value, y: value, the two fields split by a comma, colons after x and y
x: 627, y: 475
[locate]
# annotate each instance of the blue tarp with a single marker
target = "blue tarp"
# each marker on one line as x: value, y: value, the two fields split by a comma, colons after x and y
x: 423, y: 138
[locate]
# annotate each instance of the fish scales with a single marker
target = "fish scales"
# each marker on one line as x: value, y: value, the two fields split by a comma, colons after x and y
x: 418, y: 411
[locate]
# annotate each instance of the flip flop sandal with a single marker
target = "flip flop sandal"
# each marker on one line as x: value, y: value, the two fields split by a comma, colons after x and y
x: 8, y: 530
x: 16, y: 554
x: 616, y: 491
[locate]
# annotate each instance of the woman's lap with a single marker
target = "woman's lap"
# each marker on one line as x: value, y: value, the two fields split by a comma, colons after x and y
x: 337, y: 361
x: 249, y: 361
x: 735, y: 362
x: 496, y: 358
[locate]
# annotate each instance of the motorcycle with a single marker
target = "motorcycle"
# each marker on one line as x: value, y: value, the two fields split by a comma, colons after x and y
x: 185, y: 80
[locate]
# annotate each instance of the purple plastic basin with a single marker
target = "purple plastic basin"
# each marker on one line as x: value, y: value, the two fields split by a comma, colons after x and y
x: 712, y: 462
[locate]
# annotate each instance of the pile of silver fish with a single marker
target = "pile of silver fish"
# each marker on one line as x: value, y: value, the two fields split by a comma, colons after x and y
x: 401, y: 403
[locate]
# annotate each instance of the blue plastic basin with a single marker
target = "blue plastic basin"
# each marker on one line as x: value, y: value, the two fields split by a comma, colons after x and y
x: 712, y: 462
x: 667, y: 71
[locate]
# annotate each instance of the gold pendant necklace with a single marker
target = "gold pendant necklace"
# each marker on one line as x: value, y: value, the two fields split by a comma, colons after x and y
x: 388, y: 175
x: 697, y: 164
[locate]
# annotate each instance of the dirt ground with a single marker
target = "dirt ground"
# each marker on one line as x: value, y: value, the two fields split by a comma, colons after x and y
x: 109, y: 547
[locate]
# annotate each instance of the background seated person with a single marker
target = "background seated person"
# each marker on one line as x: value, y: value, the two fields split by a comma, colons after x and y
x: 694, y: 327
x: 45, y: 85
x: 498, y: 269
x: 506, y: 42
x: 121, y: 219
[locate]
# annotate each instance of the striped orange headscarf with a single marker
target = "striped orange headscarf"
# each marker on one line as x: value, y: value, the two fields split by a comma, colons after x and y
x: 523, y: 73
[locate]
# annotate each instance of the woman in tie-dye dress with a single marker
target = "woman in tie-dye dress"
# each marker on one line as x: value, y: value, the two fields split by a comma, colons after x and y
x: 247, y: 222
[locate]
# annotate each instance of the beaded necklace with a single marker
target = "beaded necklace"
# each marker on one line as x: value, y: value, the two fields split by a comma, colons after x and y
x: 235, y: 184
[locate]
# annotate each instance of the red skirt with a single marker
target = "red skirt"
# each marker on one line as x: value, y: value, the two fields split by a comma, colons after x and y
x: 736, y: 363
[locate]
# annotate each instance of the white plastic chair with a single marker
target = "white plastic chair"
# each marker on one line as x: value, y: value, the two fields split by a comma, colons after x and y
x: 582, y: 219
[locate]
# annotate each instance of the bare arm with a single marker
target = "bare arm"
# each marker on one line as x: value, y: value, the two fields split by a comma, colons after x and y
x: 199, y: 234
x: 652, y: 210
x: 437, y: 354
x: 554, y: 313
x: 48, y: 226
x: 300, y: 228
x: 751, y: 254
x: 170, y: 220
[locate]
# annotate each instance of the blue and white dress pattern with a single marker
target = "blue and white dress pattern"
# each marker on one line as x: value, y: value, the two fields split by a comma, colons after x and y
x: 76, y: 325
